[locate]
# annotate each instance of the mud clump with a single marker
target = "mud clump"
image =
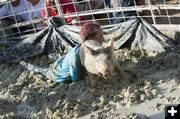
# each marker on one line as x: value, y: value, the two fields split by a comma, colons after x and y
x: 138, y: 93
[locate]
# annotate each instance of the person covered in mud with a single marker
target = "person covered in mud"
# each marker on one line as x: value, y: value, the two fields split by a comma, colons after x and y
x: 69, y: 67
x: 67, y: 7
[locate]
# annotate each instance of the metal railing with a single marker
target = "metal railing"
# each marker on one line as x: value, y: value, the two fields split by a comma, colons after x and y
x: 154, y: 11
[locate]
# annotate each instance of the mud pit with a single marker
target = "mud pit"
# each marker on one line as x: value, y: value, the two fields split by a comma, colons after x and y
x: 150, y: 79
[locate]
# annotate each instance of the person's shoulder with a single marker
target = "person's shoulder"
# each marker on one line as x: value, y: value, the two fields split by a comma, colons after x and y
x: 5, y: 7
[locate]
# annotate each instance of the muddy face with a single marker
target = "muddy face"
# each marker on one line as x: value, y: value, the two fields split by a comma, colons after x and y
x: 98, y: 59
x: 104, y: 64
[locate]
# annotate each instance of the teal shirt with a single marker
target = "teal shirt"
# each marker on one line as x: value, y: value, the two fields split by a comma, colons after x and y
x: 68, y: 67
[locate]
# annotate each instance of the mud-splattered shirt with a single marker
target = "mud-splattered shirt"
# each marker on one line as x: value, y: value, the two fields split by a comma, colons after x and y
x: 68, y: 67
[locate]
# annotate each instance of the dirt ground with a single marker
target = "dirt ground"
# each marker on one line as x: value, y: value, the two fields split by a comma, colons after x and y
x: 150, y: 81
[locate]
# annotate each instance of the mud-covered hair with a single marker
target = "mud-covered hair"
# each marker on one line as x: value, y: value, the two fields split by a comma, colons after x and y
x: 89, y: 30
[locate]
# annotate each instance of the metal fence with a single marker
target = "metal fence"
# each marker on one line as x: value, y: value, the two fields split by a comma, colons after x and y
x: 154, y: 11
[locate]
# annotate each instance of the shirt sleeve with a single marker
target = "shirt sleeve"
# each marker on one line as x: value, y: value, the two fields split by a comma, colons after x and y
x: 5, y: 10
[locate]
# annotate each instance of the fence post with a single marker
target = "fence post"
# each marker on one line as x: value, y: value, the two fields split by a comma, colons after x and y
x: 167, y: 13
x: 152, y: 12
